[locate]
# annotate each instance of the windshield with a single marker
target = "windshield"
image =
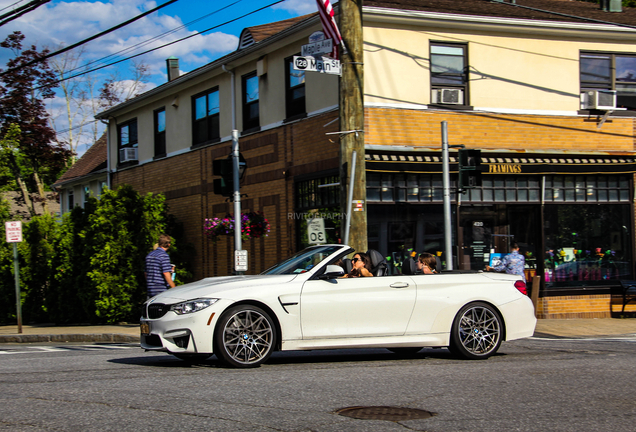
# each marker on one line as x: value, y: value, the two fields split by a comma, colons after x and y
x: 303, y: 261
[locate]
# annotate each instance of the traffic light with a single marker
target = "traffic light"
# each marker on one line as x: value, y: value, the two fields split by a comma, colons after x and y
x: 223, y: 168
x: 469, y: 168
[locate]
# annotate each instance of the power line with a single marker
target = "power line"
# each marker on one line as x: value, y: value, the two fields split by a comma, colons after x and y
x: 16, y: 13
x: 159, y: 47
x: 566, y: 15
x: 115, y: 54
x: 75, y: 45
x: 7, y: 7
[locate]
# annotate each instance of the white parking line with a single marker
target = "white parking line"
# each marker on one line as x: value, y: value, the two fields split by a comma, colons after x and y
x: 43, y: 349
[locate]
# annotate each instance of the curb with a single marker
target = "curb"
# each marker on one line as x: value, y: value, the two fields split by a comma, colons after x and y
x: 111, y: 337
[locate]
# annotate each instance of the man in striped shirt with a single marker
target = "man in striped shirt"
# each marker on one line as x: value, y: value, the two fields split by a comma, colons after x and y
x: 158, y: 268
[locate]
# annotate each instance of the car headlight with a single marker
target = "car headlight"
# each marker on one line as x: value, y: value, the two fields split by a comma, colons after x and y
x: 191, y: 306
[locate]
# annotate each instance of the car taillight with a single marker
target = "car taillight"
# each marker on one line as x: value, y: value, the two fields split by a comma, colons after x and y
x: 521, y: 286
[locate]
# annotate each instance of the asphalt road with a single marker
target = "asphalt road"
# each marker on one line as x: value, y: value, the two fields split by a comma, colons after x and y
x: 531, y: 385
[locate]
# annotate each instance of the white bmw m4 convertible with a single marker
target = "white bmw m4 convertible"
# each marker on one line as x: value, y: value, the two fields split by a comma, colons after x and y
x: 304, y: 303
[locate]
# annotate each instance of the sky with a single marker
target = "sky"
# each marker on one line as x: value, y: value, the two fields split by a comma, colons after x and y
x: 62, y: 23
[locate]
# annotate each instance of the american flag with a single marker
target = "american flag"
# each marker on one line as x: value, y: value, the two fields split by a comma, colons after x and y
x: 329, y: 25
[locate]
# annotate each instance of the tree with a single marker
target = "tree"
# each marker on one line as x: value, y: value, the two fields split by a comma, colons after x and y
x: 22, y: 90
x: 114, y: 90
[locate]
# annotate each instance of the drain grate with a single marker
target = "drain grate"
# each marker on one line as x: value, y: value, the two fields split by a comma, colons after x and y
x: 384, y: 413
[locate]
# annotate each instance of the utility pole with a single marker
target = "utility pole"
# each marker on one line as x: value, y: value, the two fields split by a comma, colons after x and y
x: 352, y: 122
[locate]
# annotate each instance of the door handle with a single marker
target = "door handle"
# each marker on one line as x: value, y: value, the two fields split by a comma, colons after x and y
x: 399, y: 285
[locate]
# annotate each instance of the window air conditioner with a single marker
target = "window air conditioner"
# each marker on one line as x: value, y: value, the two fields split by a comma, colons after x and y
x: 451, y: 96
x: 599, y: 99
x: 127, y: 154
x: 448, y: 96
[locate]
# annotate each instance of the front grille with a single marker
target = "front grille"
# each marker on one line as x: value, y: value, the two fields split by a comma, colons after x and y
x: 157, y: 310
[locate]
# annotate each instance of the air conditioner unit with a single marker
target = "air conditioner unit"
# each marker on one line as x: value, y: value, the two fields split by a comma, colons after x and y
x: 598, y: 99
x: 448, y: 96
x: 127, y: 154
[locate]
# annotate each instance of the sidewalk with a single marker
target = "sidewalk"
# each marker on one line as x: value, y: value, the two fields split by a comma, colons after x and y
x: 563, y: 328
x: 78, y: 333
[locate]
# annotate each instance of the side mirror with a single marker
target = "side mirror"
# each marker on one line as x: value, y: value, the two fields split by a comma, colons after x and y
x: 332, y: 272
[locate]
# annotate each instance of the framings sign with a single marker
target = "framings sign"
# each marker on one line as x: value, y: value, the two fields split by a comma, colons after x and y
x: 504, y: 168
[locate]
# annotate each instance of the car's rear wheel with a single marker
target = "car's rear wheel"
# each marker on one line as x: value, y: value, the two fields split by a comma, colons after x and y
x: 477, y: 331
x: 245, y: 336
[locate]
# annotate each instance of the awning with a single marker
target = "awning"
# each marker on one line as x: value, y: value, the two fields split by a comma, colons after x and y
x: 430, y: 162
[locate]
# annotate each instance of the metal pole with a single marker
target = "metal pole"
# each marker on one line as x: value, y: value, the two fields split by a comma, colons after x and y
x: 16, y: 269
x: 350, y: 197
x: 238, y: 244
x: 448, y: 230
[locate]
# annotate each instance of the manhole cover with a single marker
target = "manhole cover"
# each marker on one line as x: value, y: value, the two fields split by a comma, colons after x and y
x: 384, y: 413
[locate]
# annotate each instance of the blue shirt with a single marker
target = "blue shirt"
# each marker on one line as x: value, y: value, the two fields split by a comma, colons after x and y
x: 513, y: 263
x: 157, y: 263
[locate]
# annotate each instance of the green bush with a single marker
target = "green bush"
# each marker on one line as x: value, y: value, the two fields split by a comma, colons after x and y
x: 89, y: 268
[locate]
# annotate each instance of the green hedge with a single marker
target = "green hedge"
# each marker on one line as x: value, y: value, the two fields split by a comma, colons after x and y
x: 90, y: 267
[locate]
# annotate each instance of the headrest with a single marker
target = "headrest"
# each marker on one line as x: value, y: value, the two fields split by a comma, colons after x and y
x: 438, y: 264
x: 409, y: 266
x: 346, y: 262
x: 378, y: 263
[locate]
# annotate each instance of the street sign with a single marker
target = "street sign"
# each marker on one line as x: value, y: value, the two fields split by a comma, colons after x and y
x: 321, y: 47
x: 13, y: 231
x: 315, y: 64
x: 316, y: 231
x: 240, y: 260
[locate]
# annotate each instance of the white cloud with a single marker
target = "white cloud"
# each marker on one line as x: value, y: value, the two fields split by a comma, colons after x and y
x: 300, y: 7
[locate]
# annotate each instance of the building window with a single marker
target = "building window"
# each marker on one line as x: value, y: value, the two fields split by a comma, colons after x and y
x: 160, y: 132
x: 589, y: 189
x: 205, y: 125
x: 87, y: 194
x: 70, y: 199
x: 449, y: 74
x: 601, y: 71
x: 127, y: 141
x: 251, y: 119
x: 318, y: 193
x: 294, y: 90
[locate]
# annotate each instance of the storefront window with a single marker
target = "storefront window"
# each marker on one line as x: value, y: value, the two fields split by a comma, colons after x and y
x: 586, y: 244
x: 318, y: 198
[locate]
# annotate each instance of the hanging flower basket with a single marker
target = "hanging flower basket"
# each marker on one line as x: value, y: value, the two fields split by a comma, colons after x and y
x: 253, y: 225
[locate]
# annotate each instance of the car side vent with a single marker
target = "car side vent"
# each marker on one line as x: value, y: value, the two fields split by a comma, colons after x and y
x: 157, y: 310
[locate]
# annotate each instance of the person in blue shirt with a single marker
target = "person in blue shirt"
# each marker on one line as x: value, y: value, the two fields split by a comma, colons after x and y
x: 513, y: 263
x: 158, y: 268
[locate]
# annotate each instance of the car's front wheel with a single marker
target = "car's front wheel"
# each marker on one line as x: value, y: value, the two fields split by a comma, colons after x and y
x: 245, y: 336
x: 476, y: 332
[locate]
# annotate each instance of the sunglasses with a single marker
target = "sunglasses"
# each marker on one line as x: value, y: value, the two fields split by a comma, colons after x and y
x: 355, y: 259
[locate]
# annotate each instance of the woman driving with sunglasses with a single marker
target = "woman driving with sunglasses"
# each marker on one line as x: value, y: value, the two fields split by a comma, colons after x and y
x: 361, y: 264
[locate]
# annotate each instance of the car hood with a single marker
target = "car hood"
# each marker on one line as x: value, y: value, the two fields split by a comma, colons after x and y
x: 219, y: 287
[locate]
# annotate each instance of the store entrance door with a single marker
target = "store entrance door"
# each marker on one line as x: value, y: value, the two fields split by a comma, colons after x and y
x: 487, y: 232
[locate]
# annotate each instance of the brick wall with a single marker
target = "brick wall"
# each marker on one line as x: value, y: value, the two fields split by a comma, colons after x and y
x: 498, y: 131
x: 273, y: 157
x: 592, y: 306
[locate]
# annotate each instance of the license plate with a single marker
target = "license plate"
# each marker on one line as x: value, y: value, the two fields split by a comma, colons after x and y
x: 145, y: 328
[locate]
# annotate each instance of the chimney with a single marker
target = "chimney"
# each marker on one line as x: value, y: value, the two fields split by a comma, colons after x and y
x: 172, y: 63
